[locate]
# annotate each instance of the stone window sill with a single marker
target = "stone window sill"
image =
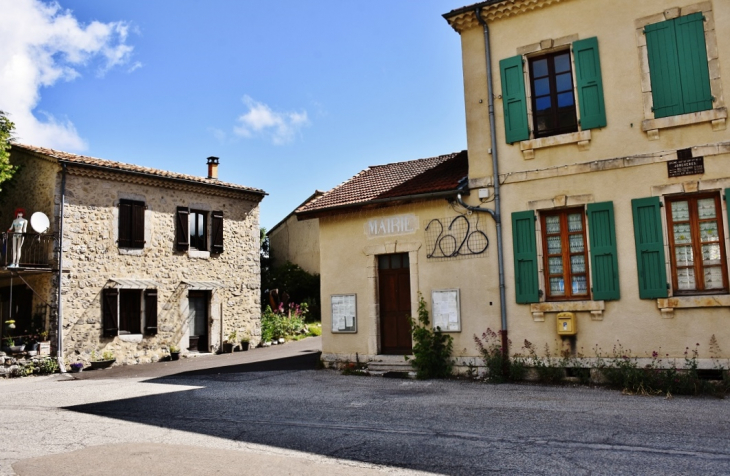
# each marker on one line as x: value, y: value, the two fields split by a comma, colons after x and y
x: 596, y: 308
x: 582, y: 138
x: 717, y: 117
x: 667, y: 306
x: 131, y: 251
x: 199, y: 254
x: 131, y: 338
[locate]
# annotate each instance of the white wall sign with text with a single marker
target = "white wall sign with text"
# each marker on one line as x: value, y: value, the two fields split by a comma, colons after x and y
x: 445, y: 308
x: 344, y: 313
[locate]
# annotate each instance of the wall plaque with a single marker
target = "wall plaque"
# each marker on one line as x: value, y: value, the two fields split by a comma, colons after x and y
x: 686, y: 166
x: 393, y: 225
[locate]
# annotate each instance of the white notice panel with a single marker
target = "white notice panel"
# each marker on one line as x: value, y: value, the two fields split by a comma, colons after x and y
x: 344, y: 312
x: 445, y: 309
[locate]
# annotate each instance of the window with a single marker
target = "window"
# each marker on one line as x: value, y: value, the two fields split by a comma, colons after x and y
x: 198, y: 224
x: 567, y: 251
x: 122, y: 311
x: 553, y: 102
x: 565, y: 254
x: 191, y: 230
x: 696, y: 244
x: 131, y: 224
x: 678, y: 67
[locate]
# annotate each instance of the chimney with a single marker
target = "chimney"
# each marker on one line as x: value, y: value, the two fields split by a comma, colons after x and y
x: 213, y: 168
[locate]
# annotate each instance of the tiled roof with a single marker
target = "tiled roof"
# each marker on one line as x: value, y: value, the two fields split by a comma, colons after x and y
x: 130, y: 168
x: 394, y: 181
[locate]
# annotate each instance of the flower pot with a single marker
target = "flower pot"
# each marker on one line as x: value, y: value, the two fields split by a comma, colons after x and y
x: 244, y: 346
x: 174, y: 355
x: 102, y: 364
x: 76, y: 370
x: 17, y: 348
x: 227, y: 348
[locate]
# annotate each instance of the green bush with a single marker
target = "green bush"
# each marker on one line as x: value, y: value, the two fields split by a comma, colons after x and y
x: 281, y: 324
x: 432, y: 348
x: 302, y: 287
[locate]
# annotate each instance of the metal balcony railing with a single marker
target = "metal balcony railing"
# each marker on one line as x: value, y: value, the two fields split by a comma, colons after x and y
x: 36, y: 251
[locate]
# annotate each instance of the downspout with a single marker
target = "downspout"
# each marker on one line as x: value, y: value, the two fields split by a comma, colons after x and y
x: 59, y: 352
x: 496, y: 214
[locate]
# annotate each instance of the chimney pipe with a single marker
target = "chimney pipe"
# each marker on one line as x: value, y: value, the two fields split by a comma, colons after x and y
x: 213, y: 168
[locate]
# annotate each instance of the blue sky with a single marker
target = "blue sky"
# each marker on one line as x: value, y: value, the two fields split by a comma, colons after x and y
x: 292, y: 96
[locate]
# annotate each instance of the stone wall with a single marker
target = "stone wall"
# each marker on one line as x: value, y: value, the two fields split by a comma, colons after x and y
x: 92, y: 258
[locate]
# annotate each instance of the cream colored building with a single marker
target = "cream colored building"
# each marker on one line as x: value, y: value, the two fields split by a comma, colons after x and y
x: 149, y: 258
x: 296, y: 241
x: 609, y: 135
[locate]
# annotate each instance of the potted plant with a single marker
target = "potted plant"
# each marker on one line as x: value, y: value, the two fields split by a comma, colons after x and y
x: 174, y: 352
x: 11, y: 347
x: 104, y: 362
x: 230, y: 343
x: 44, y: 346
x: 245, y: 342
x: 77, y: 367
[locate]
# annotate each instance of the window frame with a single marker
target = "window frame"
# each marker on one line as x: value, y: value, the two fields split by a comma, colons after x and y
x: 193, y: 222
x: 553, y: 94
x: 565, y: 254
x: 129, y: 311
x: 696, y: 243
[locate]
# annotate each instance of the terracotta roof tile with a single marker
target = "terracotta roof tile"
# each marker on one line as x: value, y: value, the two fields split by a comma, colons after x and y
x: 397, y: 180
x: 130, y: 168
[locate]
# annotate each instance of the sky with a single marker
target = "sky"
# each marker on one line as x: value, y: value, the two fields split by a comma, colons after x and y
x: 292, y: 96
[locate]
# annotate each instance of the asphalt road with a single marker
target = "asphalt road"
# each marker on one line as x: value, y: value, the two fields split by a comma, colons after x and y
x: 369, y: 423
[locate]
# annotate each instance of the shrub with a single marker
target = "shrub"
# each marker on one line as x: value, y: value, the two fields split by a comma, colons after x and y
x: 432, y: 348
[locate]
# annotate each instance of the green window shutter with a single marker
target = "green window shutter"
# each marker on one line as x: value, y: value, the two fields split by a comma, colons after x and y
x: 694, y: 72
x: 650, y: 261
x: 604, y: 255
x: 525, y: 250
x: 589, y: 84
x: 514, y: 100
x: 666, y: 89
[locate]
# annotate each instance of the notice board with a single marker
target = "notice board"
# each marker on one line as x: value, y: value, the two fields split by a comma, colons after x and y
x: 344, y: 313
x: 445, y: 308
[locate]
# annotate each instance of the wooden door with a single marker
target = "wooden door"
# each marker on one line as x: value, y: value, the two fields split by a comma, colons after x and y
x: 395, y: 304
x: 198, y: 320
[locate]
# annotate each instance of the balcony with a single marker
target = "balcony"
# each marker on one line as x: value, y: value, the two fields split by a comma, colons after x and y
x: 36, y: 250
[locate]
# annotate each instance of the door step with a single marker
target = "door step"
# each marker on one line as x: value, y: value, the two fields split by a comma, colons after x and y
x: 384, y: 364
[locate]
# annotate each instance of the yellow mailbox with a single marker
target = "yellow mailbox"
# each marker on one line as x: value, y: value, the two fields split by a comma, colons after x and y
x: 566, y: 324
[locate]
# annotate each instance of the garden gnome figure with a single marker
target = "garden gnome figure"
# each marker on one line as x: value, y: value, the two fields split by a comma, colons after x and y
x: 18, y: 228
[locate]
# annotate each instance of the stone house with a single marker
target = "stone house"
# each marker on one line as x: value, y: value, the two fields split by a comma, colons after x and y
x: 598, y: 169
x: 150, y: 258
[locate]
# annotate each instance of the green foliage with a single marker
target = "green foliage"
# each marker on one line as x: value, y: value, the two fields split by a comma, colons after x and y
x: 550, y: 369
x: 315, y: 330
x: 282, y: 324
x: 174, y: 349
x: 6, y: 136
x: 432, y: 348
x: 499, y: 369
x: 301, y: 286
x: 106, y: 355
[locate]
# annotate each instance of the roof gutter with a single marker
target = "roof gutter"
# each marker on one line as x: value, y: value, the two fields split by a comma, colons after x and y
x: 496, y: 213
x: 421, y: 196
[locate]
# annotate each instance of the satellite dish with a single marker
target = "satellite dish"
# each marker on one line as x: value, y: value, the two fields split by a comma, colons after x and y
x: 39, y: 222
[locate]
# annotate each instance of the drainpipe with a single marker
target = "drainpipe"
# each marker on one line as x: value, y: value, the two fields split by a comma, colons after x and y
x: 59, y: 352
x: 496, y: 213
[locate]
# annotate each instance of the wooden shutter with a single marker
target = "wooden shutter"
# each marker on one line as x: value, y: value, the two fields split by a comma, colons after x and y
x: 182, y: 232
x: 150, y: 312
x: 650, y: 261
x: 666, y: 88
x: 525, y: 251
x: 216, y: 239
x: 137, y: 233
x: 125, y: 224
x: 514, y: 101
x: 694, y: 73
x: 109, y: 308
x: 604, y: 255
x: 589, y: 84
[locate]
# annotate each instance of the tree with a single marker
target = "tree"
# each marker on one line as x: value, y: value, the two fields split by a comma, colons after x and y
x: 6, y: 136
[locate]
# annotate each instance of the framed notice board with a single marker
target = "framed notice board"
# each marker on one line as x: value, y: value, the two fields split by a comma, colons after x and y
x: 344, y: 313
x: 445, y: 308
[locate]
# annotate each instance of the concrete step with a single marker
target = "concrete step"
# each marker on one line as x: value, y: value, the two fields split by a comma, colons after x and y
x: 394, y: 363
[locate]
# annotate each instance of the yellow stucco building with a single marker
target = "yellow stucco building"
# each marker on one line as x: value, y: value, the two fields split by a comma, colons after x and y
x: 605, y: 124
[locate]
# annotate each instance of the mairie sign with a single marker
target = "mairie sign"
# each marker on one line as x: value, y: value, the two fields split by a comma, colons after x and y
x: 393, y: 225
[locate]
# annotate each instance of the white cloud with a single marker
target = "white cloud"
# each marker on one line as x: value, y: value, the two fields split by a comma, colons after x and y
x: 261, y: 120
x: 41, y: 44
